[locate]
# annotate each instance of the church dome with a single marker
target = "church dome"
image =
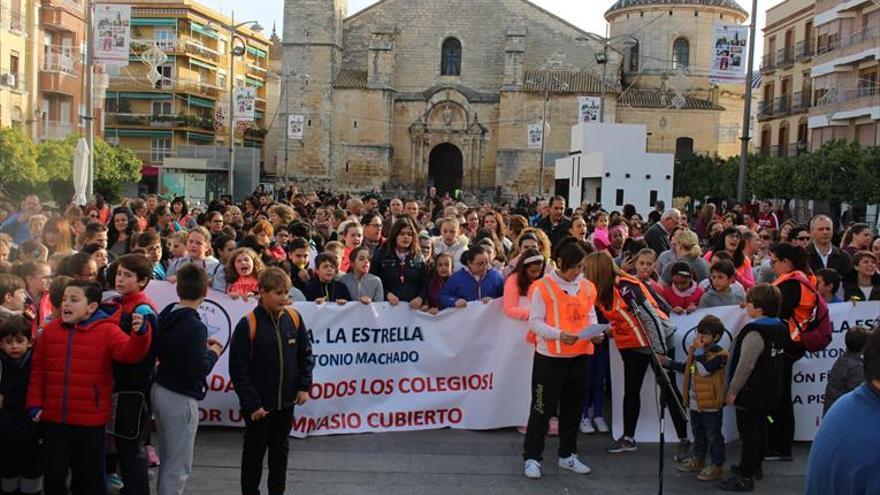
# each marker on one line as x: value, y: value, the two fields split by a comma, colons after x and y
x: 728, y: 4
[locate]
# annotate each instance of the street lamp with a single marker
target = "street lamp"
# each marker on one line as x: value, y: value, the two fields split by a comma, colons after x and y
x: 234, y: 51
x: 562, y: 87
x: 288, y: 75
x: 602, y: 59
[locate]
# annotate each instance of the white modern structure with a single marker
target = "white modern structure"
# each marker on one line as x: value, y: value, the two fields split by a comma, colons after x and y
x: 609, y: 164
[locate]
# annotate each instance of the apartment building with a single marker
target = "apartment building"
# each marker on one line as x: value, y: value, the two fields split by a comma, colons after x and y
x: 786, y: 90
x: 181, y: 109
x: 18, y: 70
x: 845, y: 72
x: 62, y: 37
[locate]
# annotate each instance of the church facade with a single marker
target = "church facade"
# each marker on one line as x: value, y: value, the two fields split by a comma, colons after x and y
x: 420, y: 93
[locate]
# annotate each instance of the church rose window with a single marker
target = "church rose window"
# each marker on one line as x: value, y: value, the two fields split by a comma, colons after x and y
x: 451, y: 65
x: 681, y: 54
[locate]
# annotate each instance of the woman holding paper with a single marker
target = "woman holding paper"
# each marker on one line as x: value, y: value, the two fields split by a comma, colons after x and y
x: 562, y: 319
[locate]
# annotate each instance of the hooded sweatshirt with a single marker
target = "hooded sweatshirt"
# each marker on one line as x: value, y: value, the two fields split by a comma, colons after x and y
x: 182, y: 349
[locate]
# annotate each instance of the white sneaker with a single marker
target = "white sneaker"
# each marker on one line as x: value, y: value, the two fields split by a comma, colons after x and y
x: 532, y: 469
x: 587, y: 426
x: 601, y: 425
x: 573, y: 464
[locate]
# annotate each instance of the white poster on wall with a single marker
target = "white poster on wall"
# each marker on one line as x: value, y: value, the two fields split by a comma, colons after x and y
x: 589, y: 109
x: 195, y: 186
x: 295, y: 127
x: 729, y: 54
x: 112, y: 35
x: 535, y: 136
x: 245, y: 104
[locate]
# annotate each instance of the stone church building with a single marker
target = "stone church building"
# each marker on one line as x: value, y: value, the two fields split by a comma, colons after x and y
x: 415, y: 93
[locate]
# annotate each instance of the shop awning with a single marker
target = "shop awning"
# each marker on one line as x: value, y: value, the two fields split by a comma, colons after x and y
x: 151, y: 21
x: 198, y: 28
x: 138, y: 96
x: 109, y: 131
x: 199, y: 63
x: 256, y: 52
x: 254, y: 82
x: 197, y: 136
x: 195, y: 101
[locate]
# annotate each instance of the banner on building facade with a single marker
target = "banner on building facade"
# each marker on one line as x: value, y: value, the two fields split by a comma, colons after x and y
x: 589, y: 109
x: 729, y: 54
x: 384, y: 368
x: 296, y: 126
x: 245, y: 104
x: 535, y: 136
x: 112, y: 34
x: 810, y: 372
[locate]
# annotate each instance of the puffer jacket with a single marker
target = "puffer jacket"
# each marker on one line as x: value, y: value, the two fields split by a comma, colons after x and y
x: 407, y: 279
x: 72, y: 368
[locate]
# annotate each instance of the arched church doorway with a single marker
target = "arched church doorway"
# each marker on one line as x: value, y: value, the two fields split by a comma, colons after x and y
x: 445, y: 170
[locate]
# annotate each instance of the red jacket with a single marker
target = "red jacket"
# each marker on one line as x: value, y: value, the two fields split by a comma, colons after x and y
x: 71, y: 371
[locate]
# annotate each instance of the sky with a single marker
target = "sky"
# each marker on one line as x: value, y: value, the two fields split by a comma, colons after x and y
x: 586, y: 14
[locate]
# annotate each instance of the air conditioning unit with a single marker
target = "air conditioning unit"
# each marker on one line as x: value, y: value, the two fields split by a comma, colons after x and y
x: 9, y: 79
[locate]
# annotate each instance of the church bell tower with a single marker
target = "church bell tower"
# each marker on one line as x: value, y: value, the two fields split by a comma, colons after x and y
x: 312, y: 44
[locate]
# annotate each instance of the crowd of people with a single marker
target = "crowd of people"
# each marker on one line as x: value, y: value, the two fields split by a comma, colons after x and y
x: 88, y: 360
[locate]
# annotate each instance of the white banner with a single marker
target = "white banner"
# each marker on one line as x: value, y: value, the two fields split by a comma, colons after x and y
x: 730, y: 54
x: 245, y: 104
x: 382, y: 368
x: 810, y: 373
x: 589, y: 109
x: 295, y: 126
x: 535, y: 136
x: 112, y: 35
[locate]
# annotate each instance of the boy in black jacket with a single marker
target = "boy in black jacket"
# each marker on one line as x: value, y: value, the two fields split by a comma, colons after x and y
x: 186, y: 356
x: 756, y: 381
x: 324, y: 287
x: 19, y: 452
x: 270, y: 363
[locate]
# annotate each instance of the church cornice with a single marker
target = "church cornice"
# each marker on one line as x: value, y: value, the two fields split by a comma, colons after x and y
x: 472, y: 96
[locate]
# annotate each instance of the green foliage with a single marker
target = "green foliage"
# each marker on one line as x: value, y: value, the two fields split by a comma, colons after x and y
x: 19, y: 172
x: 839, y: 171
x: 114, y: 166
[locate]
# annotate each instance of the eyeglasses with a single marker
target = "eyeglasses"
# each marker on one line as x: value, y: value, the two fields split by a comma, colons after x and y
x: 805, y: 239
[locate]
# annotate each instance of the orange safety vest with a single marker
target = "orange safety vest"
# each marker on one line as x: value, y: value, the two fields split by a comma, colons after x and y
x: 625, y: 327
x: 803, y: 311
x: 571, y: 314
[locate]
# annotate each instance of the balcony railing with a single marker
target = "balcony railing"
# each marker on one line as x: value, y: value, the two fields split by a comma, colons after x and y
x: 798, y: 148
x: 59, y: 62
x: 803, y: 50
x: 800, y: 102
x: 159, y: 120
x: 195, y: 48
x: 55, y: 130
x: 768, y: 62
x: 765, y: 109
x: 166, y: 45
x: 785, y: 57
x: 835, y: 42
x: 834, y: 97
x: 782, y: 105
x: 866, y: 90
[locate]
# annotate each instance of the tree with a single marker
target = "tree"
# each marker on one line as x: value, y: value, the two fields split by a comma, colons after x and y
x: 19, y: 173
x: 114, y: 166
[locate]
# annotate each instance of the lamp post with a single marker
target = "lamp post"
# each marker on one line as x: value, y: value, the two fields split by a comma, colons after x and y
x: 546, y: 97
x: 747, y: 110
x: 234, y: 51
x: 602, y: 59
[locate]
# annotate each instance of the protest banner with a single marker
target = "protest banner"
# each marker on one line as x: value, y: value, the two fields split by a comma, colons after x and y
x: 810, y: 373
x: 383, y: 368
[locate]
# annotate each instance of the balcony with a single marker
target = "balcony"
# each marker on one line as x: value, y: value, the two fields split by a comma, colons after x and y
x: 62, y: 17
x: 51, y: 129
x: 768, y: 63
x: 782, y: 105
x: 59, y: 62
x: 59, y: 82
x: 836, y: 97
x: 785, y: 57
x: 166, y: 45
x: 800, y: 102
x: 803, y: 50
x: 835, y: 42
x: 797, y: 149
x: 765, y: 109
x: 159, y: 121
x: 193, y: 47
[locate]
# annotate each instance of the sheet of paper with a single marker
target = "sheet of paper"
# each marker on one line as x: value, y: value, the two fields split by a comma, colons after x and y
x: 593, y: 330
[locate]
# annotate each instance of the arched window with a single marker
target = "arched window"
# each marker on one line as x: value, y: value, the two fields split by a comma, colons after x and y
x: 681, y: 54
x: 634, y: 58
x: 451, y: 64
x: 684, y: 148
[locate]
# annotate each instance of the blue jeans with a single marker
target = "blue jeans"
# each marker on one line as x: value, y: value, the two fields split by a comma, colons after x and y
x: 595, y: 397
x: 708, y: 436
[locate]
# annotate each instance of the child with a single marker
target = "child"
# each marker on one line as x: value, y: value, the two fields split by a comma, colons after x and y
x: 71, y: 383
x: 297, y: 262
x: 352, y: 235
x: 684, y: 294
x: 36, y: 276
x: 131, y: 382
x: 198, y: 247
x: 828, y: 284
x: 178, y: 245
x: 442, y: 271
x: 242, y: 273
x: 644, y: 262
x: 335, y: 249
x: 755, y: 388
x: 600, y: 234
x: 716, y: 257
x: 324, y: 287
x: 848, y: 371
x: 186, y: 356
x: 362, y: 285
x: 703, y: 396
x: 150, y: 242
x: 721, y: 292
x: 269, y: 383
x: 19, y: 454
x: 12, y: 296
x: 450, y: 242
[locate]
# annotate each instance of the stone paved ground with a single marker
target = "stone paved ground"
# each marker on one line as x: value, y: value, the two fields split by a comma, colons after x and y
x: 459, y: 462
